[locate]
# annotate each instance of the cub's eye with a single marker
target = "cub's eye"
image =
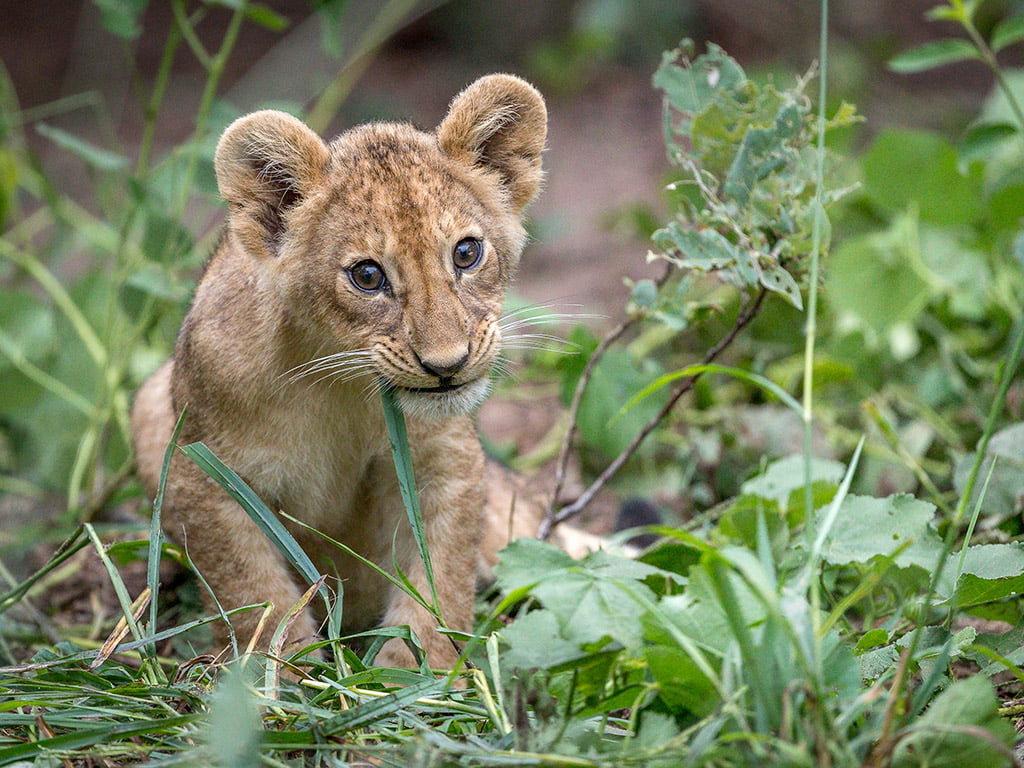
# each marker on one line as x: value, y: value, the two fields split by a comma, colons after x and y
x: 467, y: 253
x: 367, y: 276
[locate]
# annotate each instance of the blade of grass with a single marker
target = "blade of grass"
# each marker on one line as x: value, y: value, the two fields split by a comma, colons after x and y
x: 92, y: 736
x: 155, y: 531
x: 260, y: 513
x: 695, y: 370
x: 129, y: 609
x: 401, y: 583
x: 399, y: 440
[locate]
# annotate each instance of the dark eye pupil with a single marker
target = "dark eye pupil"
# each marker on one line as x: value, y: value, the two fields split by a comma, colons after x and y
x: 367, y: 276
x: 467, y: 253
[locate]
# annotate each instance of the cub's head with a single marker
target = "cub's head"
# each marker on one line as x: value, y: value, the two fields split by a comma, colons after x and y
x: 389, y: 247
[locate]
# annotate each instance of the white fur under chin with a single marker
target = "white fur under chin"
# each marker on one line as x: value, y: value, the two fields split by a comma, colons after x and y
x: 442, y: 405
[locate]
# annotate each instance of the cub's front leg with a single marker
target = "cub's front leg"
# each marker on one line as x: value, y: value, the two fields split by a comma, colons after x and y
x: 235, y: 558
x: 450, y: 478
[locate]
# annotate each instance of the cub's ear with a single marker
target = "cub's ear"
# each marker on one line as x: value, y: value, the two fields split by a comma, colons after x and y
x: 499, y: 123
x: 267, y: 162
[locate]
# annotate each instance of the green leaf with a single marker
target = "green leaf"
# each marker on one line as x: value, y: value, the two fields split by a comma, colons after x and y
x: 693, y: 87
x: 681, y: 684
x: 693, y: 370
x: 990, y: 572
x: 399, y: 440
x: 594, y: 610
x: 898, y: 526
x: 778, y: 280
x: 1005, y: 491
x: 615, y: 378
x: 1007, y: 32
x: 121, y: 17
x: 934, y: 54
x: 526, y: 562
x: 981, y: 139
x: 97, y: 157
x: 704, y: 250
x: 331, y: 13
x: 913, y: 167
x: 784, y: 477
x: 962, y: 727
x: 763, y: 151
x: 879, y: 279
x: 258, y: 13
x: 536, y: 641
x: 28, y: 325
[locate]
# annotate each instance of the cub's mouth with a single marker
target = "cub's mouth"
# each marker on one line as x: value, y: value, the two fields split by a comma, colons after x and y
x: 442, y: 400
x: 436, y: 390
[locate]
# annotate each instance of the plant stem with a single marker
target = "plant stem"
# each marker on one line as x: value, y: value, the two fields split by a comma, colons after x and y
x: 577, y: 398
x: 156, y: 97
x: 747, y: 313
x: 812, y: 293
x: 386, y: 22
x: 216, y: 68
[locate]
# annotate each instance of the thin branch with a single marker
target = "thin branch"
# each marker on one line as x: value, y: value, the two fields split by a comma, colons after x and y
x: 561, y: 467
x: 747, y: 313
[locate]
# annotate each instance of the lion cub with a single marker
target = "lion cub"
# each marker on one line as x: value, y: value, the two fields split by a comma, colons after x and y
x: 378, y: 260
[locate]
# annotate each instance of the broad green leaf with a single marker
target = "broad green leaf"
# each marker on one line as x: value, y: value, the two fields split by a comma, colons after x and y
x: 537, y: 640
x: 898, y: 526
x: 934, y: 54
x: 944, y: 736
x: 1008, y: 645
x: 1006, y: 487
x: 990, y: 572
x: 594, y: 610
x: 166, y: 240
x: 879, y: 279
x: 704, y: 250
x: 27, y: 324
x: 526, y: 562
x: 681, y: 684
x: 614, y: 380
x: 97, y: 157
x: 782, y: 478
x: 913, y: 167
x: 877, y: 661
x: 1007, y: 32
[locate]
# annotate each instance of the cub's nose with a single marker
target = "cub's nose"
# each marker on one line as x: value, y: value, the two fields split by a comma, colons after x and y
x: 444, y: 366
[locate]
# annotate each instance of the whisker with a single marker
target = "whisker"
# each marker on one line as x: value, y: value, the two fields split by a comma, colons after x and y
x: 335, y: 368
x: 519, y: 318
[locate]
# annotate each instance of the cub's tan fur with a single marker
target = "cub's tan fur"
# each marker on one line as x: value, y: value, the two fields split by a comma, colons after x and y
x: 284, y: 350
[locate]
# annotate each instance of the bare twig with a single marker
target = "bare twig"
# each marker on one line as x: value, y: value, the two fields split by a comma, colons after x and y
x: 747, y: 313
x: 577, y: 398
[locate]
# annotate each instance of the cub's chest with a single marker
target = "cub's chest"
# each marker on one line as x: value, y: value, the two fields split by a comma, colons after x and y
x: 311, y: 455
